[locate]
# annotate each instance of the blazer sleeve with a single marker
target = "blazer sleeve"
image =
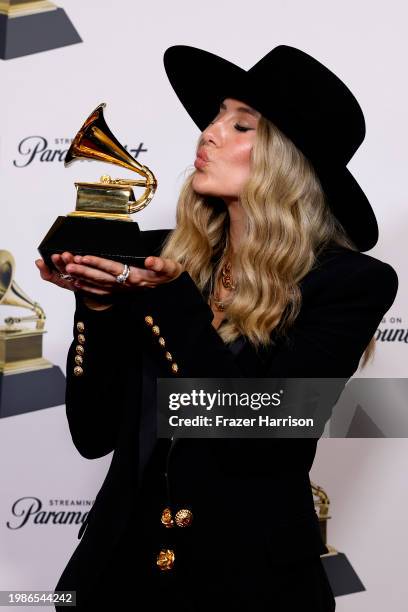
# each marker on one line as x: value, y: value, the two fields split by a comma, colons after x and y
x: 328, y: 339
x: 96, y: 384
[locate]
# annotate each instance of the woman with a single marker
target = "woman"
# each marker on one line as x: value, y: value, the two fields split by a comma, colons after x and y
x: 263, y: 276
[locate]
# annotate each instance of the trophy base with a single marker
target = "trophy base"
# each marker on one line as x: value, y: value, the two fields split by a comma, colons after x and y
x: 21, y: 350
x: 341, y: 575
x: 98, y: 215
x: 37, y: 32
x: 30, y: 391
x: 111, y: 239
x: 26, y: 365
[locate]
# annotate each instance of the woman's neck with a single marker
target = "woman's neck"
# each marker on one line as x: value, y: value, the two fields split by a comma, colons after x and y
x: 236, y: 224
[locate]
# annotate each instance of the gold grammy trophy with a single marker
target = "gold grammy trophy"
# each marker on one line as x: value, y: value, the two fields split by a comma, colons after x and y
x: 27, y: 381
x: 322, y: 504
x: 101, y: 223
x: 20, y: 346
x: 342, y: 577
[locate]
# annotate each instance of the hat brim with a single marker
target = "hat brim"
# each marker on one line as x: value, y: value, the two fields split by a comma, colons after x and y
x: 350, y: 205
x: 201, y: 80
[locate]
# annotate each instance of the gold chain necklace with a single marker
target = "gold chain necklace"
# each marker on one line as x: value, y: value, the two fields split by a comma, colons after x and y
x: 228, y: 283
x: 226, y: 277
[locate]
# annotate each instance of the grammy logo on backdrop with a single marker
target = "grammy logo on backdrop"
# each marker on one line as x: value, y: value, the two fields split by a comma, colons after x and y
x: 340, y: 573
x: 28, y: 27
x: 27, y: 381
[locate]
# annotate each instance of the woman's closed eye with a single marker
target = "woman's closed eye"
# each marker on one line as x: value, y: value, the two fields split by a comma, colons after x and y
x: 242, y: 128
x: 239, y: 128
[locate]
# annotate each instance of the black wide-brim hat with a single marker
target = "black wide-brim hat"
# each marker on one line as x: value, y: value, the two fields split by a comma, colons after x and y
x: 304, y: 99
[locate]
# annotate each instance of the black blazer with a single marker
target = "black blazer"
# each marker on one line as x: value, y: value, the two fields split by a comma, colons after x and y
x: 251, y: 500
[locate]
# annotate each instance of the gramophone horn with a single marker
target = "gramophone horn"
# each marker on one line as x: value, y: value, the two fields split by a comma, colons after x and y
x: 95, y: 140
x: 11, y: 294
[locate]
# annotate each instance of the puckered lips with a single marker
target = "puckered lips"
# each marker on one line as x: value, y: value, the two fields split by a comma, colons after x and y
x: 202, y: 158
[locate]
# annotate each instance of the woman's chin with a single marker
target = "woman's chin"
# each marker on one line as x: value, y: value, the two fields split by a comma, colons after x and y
x: 201, y: 185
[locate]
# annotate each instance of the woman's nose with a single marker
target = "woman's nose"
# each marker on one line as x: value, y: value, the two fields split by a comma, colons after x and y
x: 211, y: 134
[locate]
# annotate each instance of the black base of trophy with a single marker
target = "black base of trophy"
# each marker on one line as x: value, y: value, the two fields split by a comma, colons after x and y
x: 341, y: 575
x: 28, y: 391
x: 117, y: 240
x: 34, y: 33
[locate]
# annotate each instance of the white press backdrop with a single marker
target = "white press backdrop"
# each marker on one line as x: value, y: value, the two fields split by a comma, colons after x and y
x: 44, y: 99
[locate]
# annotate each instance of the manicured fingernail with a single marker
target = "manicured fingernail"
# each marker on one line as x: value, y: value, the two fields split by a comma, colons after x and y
x: 78, y: 258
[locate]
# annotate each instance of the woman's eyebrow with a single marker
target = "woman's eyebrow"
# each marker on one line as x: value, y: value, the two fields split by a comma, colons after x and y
x: 242, y: 109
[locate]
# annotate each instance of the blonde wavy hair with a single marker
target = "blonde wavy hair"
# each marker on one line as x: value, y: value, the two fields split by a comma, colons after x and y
x: 288, y: 223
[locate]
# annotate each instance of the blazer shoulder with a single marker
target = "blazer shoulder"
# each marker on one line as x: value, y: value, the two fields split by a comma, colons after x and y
x: 339, y: 268
x: 356, y: 261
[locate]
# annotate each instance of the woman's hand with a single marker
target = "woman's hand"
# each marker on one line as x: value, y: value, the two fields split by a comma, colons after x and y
x: 97, y: 275
x: 52, y: 276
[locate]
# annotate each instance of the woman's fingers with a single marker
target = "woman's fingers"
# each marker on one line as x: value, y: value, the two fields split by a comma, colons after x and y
x: 163, y: 266
x: 154, y: 263
x: 99, y: 274
x: 105, y: 265
x: 105, y: 271
x: 67, y: 257
x: 58, y: 262
x: 45, y: 272
x: 52, y: 276
x: 90, y: 274
x: 61, y: 262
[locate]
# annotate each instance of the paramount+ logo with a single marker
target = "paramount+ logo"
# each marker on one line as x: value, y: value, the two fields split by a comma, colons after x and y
x: 39, y: 149
x: 28, y: 511
x: 392, y: 330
